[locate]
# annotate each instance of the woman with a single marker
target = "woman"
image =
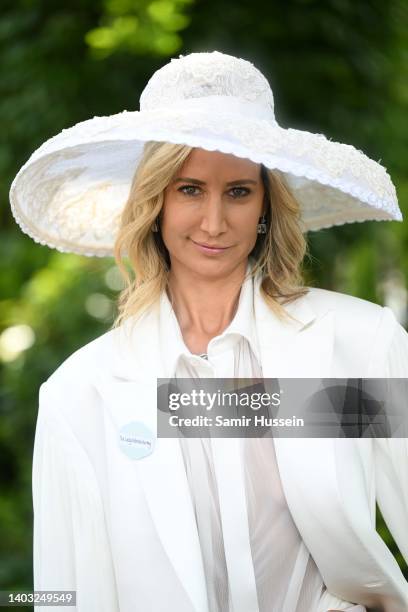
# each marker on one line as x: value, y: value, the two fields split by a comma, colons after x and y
x: 214, y: 235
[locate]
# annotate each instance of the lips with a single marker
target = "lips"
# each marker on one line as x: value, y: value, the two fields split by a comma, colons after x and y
x: 211, y: 250
x: 210, y: 246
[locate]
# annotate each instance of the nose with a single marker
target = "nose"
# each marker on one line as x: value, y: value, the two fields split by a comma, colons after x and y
x: 213, y: 217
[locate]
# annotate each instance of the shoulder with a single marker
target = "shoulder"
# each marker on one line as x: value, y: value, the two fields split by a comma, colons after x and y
x: 343, y: 304
x: 69, y: 399
x: 353, y: 311
x: 85, y: 362
x: 358, y: 323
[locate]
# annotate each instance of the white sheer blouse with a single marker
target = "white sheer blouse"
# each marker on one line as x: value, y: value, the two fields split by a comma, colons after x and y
x: 254, y: 557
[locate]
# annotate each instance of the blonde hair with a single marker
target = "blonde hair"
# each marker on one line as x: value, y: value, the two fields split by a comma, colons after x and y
x: 278, y: 254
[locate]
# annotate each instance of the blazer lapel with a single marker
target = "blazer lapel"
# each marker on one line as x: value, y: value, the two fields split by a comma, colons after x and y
x: 130, y: 392
x: 301, y: 349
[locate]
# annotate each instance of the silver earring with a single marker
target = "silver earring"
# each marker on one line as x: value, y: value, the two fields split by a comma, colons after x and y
x: 155, y: 227
x: 262, y: 225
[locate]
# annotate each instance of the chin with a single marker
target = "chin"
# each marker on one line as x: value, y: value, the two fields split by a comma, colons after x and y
x: 211, y: 267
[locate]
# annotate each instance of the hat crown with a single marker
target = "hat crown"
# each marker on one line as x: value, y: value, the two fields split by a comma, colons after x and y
x: 199, y: 75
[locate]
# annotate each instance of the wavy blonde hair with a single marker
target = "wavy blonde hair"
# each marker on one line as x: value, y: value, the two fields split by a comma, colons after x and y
x: 278, y: 254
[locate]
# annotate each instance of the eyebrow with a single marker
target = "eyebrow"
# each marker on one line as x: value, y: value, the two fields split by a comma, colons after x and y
x: 198, y: 182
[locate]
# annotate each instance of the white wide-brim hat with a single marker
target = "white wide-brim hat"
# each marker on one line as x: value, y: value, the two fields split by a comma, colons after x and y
x: 70, y: 193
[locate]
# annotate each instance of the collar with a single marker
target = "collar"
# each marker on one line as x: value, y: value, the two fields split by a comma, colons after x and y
x: 172, y: 343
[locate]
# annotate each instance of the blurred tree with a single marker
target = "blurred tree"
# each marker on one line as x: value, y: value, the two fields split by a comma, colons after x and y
x: 143, y: 27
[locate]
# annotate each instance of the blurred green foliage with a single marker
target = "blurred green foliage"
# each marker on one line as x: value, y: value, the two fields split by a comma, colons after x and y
x: 142, y: 27
x: 336, y: 67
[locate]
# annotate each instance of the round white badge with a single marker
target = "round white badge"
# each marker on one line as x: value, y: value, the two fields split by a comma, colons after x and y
x: 136, y: 440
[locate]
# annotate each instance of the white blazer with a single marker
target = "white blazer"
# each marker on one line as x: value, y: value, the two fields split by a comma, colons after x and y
x: 122, y: 532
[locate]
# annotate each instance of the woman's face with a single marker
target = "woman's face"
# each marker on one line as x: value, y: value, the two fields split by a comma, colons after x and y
x: 215, y: 199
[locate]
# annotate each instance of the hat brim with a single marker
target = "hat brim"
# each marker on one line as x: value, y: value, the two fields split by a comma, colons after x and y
x: 70, y: 193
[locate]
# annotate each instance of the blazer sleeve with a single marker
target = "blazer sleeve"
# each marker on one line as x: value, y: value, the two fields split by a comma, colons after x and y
x: 71, y: 548
x: 391, y: 454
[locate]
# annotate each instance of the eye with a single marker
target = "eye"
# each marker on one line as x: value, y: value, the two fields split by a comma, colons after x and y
x: 187, y: 187
x: 244, y: 191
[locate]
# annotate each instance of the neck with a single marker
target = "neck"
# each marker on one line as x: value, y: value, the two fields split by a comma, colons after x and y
x: 205, y: 305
